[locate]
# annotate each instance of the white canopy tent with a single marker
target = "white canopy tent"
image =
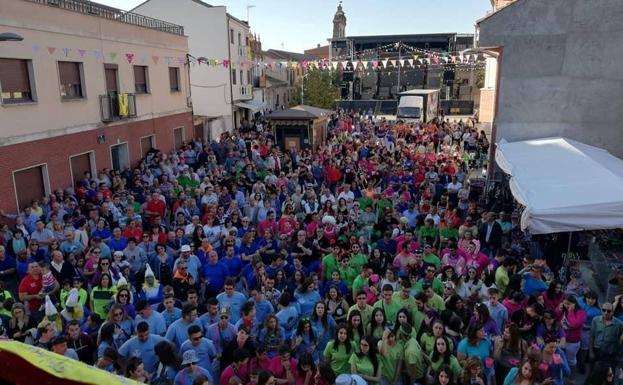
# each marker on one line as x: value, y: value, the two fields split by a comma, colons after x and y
x: 564, y: 185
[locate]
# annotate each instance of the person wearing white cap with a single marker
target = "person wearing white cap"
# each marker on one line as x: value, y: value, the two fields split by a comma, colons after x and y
x: 350, y: 379
x: 193, y: 264
x: 190, y: 369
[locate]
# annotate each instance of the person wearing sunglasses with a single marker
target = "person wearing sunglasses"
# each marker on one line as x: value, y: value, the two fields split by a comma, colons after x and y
x: 205, y: 349
x: 606, y: 335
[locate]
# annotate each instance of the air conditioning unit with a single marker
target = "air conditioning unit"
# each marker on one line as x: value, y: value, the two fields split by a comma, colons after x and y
x: 189, y: 102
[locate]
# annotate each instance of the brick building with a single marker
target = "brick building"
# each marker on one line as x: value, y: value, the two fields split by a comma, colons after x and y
x: 93, y: 93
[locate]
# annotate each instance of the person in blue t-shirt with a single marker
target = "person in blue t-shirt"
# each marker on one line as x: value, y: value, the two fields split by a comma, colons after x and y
x: 232, y: 261
x: 306, y: 296
x: 156, y: 321
x: 205, y: 349
x: 263, y: 307
x: 171, y: 313
x: 214, y: 273
x: 231, y: 299
x: 288, y: 314
x: 533, y: 281
x: 178, y: 331
x: 142, y: 346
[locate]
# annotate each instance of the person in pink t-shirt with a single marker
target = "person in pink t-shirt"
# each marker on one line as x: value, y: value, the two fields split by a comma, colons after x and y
x: 283, y: 366
x: 239, y: 368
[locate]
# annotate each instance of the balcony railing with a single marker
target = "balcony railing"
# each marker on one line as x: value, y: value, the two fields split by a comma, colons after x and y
x: 89, y: 8
x: 112, y: 107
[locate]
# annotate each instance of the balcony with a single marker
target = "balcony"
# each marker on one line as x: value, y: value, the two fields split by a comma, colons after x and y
x: 94, y: 9
x: 113, y: 107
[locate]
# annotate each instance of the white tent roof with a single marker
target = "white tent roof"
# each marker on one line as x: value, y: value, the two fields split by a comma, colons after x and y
x: 564, y: 185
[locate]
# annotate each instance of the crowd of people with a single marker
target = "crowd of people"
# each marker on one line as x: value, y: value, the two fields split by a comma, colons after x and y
x: 369, y: 260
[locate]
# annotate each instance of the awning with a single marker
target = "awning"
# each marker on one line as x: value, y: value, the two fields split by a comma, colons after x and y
x: 252, y: 105
x: 564, y: 185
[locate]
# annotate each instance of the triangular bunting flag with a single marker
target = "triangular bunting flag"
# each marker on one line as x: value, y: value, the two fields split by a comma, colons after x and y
x: 393, y: 63
x: 333, y: 65
x: 402, y: 62
x: 344, y: 64
x: 410, y: 61
x: 129, y: 57
x: 155, y: 59
x: 66, y: 51
x: 384, y: 62
x: 82, y: 52
x: 51, y: 50
x: 113, y: 56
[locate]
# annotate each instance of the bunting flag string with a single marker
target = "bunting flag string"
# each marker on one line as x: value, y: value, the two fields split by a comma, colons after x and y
x: 415, y: 58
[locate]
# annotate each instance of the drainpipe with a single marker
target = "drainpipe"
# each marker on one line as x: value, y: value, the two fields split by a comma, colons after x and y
x: 230, y: 67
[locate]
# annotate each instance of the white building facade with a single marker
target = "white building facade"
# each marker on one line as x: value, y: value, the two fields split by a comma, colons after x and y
x: 213, y: 34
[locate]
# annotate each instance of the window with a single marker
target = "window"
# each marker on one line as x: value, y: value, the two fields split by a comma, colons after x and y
x: 140, y: 80
x: 248, y: 77
x: 110, y: 70
x: 174, y: 78
x: 239, y: 39
x: 241, y: 76
x: 231, y: 35
x: 15, y: 81
x: 71, y: 80
x: 233, y: 76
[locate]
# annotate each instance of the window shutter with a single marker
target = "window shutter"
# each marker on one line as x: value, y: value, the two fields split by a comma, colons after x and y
x: 111, y: 80
x: 69, y: 72
x: 139, y: 75
x: 14, y: 75
x: 173, y: 78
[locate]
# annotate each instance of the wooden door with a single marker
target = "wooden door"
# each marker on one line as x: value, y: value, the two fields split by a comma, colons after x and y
x: 29, y: 185
x: 80, y: 164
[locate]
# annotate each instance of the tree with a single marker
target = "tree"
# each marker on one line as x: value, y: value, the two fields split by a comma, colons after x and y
x: 319, y: 89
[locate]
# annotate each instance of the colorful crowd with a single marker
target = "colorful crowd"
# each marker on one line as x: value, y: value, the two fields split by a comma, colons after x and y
x: 370, y: 259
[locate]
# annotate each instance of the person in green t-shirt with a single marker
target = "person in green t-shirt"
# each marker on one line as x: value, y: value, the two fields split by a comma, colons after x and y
x: 348, y: 272
x: 430, y: 258
x: 429, y: 279
x: 427, y: 340
x: 391, y: 357
x: 101, y: 296
x: 403, y: 297
x: 362, y: 306
x: 366, y: 362
x: 414, y: 359
x: 388, y: 305
x: 330, y: 263
x: 361, y: 281
x: 338, y: 351
x: 428, y: 233
x: 357, y: 260
x: 442, y: 355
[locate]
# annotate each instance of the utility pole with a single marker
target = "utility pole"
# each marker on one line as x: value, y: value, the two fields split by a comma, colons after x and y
x: 399, y: 52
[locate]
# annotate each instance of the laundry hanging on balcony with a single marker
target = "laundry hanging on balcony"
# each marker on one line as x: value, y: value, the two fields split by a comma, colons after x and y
x: 123, y: 104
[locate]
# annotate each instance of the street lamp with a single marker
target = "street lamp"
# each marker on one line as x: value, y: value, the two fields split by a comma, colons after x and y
x: 10, y: 36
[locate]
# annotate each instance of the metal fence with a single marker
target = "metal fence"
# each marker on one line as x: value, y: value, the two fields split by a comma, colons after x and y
x: 89, y: 8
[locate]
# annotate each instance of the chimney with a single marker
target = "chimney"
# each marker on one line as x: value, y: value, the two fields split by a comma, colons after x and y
x: 318, y: 45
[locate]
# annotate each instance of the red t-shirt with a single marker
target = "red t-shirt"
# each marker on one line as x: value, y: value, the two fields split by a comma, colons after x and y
x: 31, y: 286
x: 157, y: 206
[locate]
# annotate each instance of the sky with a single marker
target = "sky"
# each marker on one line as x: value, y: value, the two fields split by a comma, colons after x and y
x: 296, y: 25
